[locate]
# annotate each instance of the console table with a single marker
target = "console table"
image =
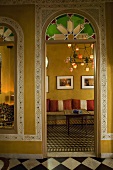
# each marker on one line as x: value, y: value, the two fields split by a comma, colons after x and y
x: 84, y: 115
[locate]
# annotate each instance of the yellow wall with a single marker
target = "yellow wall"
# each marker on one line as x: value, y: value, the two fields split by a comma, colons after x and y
x: 23, y: 147
x: 24, y: 15
x: 107, y: 146
x: 56, y: 54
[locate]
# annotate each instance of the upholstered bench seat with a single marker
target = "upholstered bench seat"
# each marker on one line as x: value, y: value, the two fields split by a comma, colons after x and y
x: 56, y: 110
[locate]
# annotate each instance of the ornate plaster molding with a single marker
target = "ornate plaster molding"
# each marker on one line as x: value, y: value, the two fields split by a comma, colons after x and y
x: 21, y: 2
x: 20, y: 80
x: 97, y: 11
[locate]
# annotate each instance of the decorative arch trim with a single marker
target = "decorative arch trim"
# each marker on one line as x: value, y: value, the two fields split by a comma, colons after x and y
x: 20, y: 80
x: 97, y: 16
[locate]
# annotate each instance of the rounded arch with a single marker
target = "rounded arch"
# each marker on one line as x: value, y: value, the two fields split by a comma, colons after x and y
x: 97, y: 94
x: 70, y: 11
x: 19, y: 40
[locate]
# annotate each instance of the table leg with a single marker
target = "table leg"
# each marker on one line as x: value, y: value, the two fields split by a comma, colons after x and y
x: 86, y: 124
x: 67, y: 122
x: 82, y: 122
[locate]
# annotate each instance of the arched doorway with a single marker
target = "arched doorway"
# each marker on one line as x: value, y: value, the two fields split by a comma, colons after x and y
x: 77, y: 34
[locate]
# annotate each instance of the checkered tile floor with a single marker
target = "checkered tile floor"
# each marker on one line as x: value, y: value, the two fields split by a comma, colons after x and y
x: 80, y: 135
x: 79, y: 139
x: 61, y: 163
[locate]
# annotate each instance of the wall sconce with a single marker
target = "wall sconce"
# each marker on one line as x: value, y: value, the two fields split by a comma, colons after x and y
x: 46, y: 62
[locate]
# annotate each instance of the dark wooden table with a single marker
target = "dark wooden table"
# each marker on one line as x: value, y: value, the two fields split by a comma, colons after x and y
x: 82, y: 115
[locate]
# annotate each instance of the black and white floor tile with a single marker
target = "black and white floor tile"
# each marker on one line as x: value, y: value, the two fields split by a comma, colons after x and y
x: 58, y: 163
x: 79, y: 140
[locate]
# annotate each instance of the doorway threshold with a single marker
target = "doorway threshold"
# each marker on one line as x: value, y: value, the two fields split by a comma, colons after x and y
x: 71, y: 154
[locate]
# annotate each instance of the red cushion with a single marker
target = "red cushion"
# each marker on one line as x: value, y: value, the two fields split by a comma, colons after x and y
x: 90, y: 105
x: 53, y: 105
x: 47, y: 104
x: 67, y: 104
x: 75, y: 104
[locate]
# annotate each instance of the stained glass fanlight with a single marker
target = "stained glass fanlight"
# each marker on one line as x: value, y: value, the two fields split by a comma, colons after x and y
x: 69, y: 27
x: 6, y: 34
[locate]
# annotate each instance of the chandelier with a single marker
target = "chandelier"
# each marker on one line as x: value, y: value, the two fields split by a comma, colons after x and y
x: 81, y: 54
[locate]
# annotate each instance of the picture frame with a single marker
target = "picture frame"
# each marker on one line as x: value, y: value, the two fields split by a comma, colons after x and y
x: 87, y: 82
x: 65, y: 82
x: 47, y: 84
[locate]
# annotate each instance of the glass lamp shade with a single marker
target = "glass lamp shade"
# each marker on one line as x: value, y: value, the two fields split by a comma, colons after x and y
x: 69, y: 45
x: 87, y: 68
x: 71, y: 69
x: 82, y: 64
x: 74, y: 65
x: 67, y: 60
x: 91, y: 56
x: 77, y: 48
x: 80, y: 56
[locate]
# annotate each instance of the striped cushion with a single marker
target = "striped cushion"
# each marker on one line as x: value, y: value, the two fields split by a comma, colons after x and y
x: 67, y: 104
x: 83, y: 104
x: 53, y: 105
x: 60, y: 105
x: 47, y: 105
x: 90, y: 105
x: 64, y: 105
x: 75, y: 104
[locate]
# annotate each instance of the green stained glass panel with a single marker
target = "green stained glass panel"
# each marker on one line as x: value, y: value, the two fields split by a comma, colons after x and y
x: 88, y: 29
x: 63, y: 20
x: 52, y: 29
x: 77, y: 20
x: 5, y: 28
x: 11, y: 34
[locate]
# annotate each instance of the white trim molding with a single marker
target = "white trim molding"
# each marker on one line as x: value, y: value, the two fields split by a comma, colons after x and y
x: 22, y: 156
x: 106, y: 155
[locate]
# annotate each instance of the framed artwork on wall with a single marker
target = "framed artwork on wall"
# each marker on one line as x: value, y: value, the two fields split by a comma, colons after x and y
x: 87, y: 82
x: 65, y: 82
x: 46, y: 84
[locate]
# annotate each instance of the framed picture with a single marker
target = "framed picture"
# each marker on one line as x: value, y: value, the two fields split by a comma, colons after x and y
x: 87, y: 82
x: 46, y: 84
x: 65, y: 82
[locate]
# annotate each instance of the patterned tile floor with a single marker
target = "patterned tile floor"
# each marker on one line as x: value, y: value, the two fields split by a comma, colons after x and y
x: 77, y: 136
x: 58, y: 163
x: 79, y: 139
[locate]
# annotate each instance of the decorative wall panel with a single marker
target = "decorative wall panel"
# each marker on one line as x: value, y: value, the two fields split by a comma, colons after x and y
x: 44, y: 10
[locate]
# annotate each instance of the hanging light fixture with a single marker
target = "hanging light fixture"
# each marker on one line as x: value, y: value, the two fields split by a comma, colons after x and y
x: 81, y: 56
